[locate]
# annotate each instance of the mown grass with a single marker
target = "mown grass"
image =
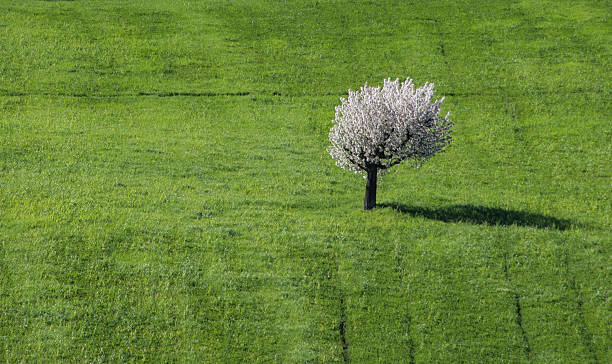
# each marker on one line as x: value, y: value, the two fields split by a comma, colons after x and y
x: 166, y: 194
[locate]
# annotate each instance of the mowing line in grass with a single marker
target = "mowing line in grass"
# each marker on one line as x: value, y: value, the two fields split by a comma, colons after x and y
x: 517, y: 302
x: 584, y: 330
x: 342, y: 329
x: 398, y: 254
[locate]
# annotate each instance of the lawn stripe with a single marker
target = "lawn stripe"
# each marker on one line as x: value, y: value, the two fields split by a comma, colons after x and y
x: 375, y: 318
x: 341, y: 304
x: 506, y: 95
x: 475, y: 328
x: 584, y: 330
x: 536, y: 265
x: 590, y: 272
x: 342, y: 330
x: 519, y: 322
x: 407, y: 331
x: 519, y: 315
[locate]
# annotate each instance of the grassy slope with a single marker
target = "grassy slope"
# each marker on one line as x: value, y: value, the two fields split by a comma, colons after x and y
x: 212, y: 225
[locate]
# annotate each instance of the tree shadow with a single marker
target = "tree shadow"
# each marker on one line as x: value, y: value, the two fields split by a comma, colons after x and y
x: 482, y: 215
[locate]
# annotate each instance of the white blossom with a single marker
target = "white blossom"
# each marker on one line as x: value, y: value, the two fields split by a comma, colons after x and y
x: 377, y: 128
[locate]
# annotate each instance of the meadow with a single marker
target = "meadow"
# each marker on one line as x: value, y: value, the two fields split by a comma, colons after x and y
x: 166, y: 195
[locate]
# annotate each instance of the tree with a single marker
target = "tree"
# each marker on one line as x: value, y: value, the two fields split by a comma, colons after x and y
x: 377, y: 128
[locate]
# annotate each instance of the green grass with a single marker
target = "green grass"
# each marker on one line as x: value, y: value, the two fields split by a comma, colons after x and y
x: 165, y: 193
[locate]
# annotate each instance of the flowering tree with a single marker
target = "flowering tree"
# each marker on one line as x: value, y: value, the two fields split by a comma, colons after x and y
x: 377, y: 128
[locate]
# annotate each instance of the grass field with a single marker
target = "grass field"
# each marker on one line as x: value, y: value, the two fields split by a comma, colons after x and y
x: 165, y: 193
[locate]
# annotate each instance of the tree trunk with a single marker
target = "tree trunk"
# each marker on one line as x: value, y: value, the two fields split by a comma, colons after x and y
x: 370, y: 195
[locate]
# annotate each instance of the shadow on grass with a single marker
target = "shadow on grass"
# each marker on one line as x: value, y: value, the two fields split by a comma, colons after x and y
x: 482, y: 215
